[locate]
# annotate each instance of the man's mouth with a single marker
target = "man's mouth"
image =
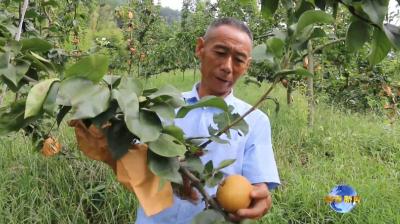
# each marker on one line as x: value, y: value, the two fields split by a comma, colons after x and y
x: 223, y: 80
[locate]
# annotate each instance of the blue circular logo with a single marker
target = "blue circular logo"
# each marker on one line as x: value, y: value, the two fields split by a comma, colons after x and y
x: 342, y: 198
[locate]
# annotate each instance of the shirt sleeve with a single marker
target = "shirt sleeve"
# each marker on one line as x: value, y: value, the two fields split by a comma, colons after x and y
x: 259, y: 164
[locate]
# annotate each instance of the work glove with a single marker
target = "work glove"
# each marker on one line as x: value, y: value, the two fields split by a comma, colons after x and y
x: 131, y: 170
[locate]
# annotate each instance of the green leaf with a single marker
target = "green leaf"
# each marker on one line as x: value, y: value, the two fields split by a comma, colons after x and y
x: 61, y: 114
x: 167, y: 146
x: 166, y: 90
x: 36, y: 45
x: 14, y: 73
x: 119, y: 139
x: 93, y: 68
x: 393, y: 34
x: 225, y: 163
x: 214, y: 179
x: 164, y: 110
x: 164, y: 167
x: 259, y: 54
x: 275, y: 46
x: 106, y: 116
x: 208, y: 101
x: 132, y: 85
x: 40, y: 58
x: 380, y: 47
x: 245, y: 2
x: 112, y: 80
x: 268, y: 7
x: 376, y: 10
x: 357, y: 35
x: 174, y: 131
x: 37, y: 96
x: 312, y: 17
x: 12, y: 117
x: 208, y: 216
x: 49, y: 104
x: 79, y: 93
x: 195, y: 164
x: 303, y: 73
x: 208, y: 168
x: 129, y: 104
x: 218, y: 140
x: 147, y: 126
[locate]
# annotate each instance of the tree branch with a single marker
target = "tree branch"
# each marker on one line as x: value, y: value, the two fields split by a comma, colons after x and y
x: 197, y: 184
x: 352, y: 10
x: 320, y: 48
x: 255, y: 106
x: 21, y: 20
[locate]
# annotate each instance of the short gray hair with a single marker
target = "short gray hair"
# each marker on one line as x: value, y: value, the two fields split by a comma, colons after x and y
x: 229, y: 22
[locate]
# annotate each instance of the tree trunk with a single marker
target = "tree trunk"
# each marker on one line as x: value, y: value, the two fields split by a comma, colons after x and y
x: 3, y: 94
x: 310, y: 86
x: 289, y: 91
x: 194, y: 72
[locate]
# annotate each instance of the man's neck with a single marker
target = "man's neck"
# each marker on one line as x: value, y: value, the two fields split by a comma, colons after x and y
x: 202, y: 92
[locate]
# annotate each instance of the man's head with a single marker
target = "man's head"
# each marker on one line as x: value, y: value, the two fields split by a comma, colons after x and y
x: 225, y: 54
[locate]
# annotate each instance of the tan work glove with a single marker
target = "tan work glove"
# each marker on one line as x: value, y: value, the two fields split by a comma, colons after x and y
x: 131, y: 170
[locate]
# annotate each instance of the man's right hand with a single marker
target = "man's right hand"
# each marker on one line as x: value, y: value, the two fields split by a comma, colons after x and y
x: 92, y: 142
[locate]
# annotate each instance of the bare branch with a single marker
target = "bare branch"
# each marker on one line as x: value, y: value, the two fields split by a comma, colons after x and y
x: 21, y: 20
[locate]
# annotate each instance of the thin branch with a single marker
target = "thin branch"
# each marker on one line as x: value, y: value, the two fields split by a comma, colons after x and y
x: 197, y: 184
x: 29, y: 79
x: 255, y: 106
x: 319, y: 48
x: 21, y: 20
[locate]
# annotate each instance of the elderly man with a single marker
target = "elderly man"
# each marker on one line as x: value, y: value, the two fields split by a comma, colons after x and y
x: 225, y: 54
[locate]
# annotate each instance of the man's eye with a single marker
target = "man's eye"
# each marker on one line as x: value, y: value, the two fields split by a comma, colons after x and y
x: 220, y: 53
x: 239, y: 60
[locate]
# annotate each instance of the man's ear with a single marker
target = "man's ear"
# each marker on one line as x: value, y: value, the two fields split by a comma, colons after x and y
x: 248, y: 63
x: 199, y: 47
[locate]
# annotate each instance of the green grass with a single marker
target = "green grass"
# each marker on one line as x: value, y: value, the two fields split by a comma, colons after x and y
x: 341, y: 148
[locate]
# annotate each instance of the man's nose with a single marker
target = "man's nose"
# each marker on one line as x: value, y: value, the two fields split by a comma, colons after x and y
x: 227, y: 65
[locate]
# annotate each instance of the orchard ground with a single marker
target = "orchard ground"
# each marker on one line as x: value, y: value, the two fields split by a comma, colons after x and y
x: 342, y: 148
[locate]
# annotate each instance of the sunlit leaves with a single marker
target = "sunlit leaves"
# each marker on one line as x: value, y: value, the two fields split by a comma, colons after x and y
x: 37, y: 96
x: 93, y: 68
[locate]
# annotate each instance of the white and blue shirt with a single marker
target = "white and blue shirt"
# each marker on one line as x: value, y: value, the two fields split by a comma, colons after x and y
x: 253, y: 154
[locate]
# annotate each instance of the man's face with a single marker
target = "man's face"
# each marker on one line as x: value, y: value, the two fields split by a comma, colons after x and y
x: 225, y: 55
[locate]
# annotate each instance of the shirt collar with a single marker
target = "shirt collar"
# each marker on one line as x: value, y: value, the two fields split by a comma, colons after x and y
x: 193, y: 95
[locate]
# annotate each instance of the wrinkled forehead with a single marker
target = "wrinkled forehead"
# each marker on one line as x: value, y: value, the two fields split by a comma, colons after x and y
x: 228, y: 34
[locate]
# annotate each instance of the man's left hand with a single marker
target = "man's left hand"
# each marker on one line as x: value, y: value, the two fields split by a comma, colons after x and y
x: 260, y: 204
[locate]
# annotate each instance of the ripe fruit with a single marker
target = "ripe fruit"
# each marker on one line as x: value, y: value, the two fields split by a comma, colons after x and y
x: 234, y: 193
x: 50, y: 147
